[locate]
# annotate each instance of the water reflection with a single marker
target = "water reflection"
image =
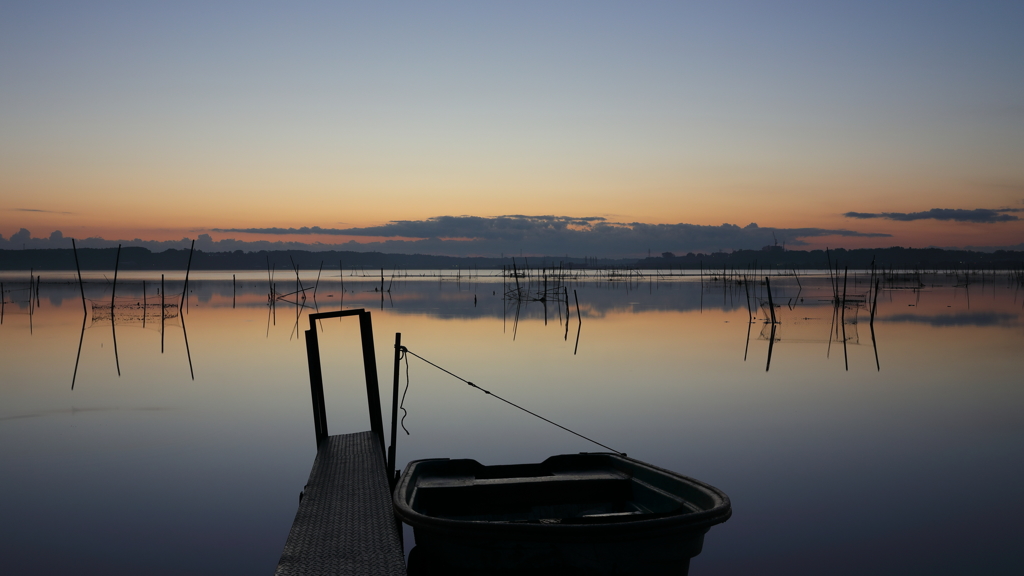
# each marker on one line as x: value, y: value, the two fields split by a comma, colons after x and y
x: 801, y: 448
x: 132, y: 310
x: 790, y: 309
x: 960, y: 319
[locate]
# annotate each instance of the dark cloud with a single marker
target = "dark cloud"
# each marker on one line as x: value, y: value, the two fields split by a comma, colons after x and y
x: 553, y: 235
x: 475, y: 227
x: 488, y: 236
x: 36, y: 210
x: 978, y: 215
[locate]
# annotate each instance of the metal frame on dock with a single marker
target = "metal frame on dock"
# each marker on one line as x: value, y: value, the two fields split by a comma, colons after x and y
x: 345, y: 523
x: 316, y: 382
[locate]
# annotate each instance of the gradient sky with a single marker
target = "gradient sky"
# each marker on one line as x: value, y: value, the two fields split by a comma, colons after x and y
x: 158, y: 121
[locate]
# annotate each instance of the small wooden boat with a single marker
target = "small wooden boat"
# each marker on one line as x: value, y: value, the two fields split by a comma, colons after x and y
x: 597, y: 513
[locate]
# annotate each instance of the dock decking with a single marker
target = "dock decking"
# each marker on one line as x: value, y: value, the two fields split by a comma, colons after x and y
x: 345, y: 523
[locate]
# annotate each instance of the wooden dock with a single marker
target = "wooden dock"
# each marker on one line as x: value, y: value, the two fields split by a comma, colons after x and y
x: 346, y: 524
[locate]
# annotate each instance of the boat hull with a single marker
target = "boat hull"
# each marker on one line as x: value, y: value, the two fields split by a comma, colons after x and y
x: 571, y: 514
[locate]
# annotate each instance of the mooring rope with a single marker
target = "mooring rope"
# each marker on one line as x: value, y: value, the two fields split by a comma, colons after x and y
x: 489, y: 393
x: 405, y: 355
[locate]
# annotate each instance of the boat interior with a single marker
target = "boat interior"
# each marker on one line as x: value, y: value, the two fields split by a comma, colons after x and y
x: 566, y: 491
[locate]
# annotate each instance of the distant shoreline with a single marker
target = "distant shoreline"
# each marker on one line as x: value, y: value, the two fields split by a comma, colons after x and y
x: 136, y: 258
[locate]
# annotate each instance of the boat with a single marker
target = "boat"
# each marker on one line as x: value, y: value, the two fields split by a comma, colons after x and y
x: 587, y: 513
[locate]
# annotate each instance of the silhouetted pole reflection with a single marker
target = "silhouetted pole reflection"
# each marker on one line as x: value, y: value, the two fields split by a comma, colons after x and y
x: 771, y: 344
x: 579, y: 322
x: 78, y: 356
x: 750, y: 318
x: 831, y: 328
x: 771, y: 303
x: 771, y: 308
x: 747, y: 346
x: 566, y: 290
x: 846, y: 359
x: 187, y: 352
x: 162, y: 310
x: 871, y: 324
x: 31, y: 312
x: 113, y: 290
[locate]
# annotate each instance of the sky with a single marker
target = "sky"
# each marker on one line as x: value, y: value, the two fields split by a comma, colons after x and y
x: 579, y: 128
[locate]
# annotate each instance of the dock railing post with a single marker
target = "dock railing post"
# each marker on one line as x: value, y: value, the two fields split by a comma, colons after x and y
x: 394, y: 412
x: 372, y: 388
x: 316, y: 386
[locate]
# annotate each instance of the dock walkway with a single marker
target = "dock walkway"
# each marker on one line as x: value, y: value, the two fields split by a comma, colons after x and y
x: 345, y: 523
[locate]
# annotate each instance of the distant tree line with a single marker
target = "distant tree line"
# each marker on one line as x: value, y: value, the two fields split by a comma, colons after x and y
x: 136, y: 258
x: 896, y: 257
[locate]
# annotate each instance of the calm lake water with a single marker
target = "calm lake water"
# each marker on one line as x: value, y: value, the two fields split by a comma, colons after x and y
x: 183, y: 446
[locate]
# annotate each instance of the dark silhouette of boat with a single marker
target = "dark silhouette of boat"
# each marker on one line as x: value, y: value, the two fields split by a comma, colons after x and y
x: 590, y: 513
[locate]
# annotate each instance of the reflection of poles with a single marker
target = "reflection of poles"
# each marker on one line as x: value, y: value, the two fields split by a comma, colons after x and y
x: 771, y: 304
x: 771, y: 343
x: 871, y: 324
x: 187, y: 353
x: 750, y: 317
x: 113, y: 289
x: 771, y: 308
x: 114, y: 332
x: 832, y: 328
x: 747, y: 346
x: 81, y: 337
x: 30, y: 301
x: 161, y: 313
x: 579, y: 322
x: 145, y: 307
x: 566, y: 290
x: 846, y: 358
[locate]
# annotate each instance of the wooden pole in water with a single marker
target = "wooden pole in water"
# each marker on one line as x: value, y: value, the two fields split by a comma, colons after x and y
x: 113, y: 289
x: 188, y: 268
x: 233, y: 291
x: 144, y: 304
